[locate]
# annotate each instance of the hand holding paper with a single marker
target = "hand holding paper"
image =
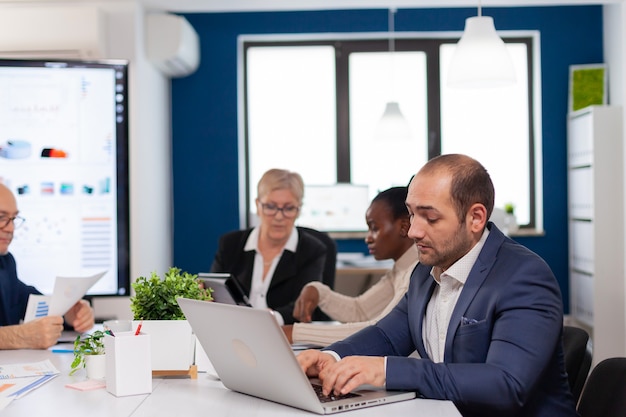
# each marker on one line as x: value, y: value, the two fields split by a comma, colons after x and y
x: 39, y: 334
x: 67, y: 292
x: 80, y: 316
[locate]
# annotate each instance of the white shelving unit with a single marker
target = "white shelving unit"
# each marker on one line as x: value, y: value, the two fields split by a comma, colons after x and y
x: 596, y: 226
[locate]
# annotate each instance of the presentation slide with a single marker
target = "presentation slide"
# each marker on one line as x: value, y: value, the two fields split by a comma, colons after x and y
x: 59, y: 128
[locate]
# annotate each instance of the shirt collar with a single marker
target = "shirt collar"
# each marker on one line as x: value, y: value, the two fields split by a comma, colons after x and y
x: 253, y: 240
x: 460, y: 270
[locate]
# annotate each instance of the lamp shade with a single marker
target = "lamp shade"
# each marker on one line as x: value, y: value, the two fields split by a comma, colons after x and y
x: 393, y: 125
x: 481, y: 58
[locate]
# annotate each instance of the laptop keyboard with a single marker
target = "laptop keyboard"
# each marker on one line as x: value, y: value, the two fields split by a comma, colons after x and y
x: 328, y: 398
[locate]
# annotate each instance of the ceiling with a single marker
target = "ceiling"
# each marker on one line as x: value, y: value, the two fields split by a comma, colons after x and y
x: 191, y: 6
x: 273, y: 5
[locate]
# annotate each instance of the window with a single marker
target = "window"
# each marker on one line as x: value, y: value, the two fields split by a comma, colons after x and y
x: 313, y: 106
x: 376, y: 78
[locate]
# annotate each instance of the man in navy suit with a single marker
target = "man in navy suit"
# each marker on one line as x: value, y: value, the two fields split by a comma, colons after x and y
x: 484, y: 313
x: 42, y: 332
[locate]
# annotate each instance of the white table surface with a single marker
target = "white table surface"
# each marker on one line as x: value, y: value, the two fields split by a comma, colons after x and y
x: 171, y: 397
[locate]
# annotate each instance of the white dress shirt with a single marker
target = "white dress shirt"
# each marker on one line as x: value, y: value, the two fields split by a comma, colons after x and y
x: 260, y: 286
x: 444, y: 298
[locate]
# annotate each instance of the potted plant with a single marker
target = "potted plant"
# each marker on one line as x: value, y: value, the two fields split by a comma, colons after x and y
x: 510, y: 220
x: 89, y: 354
x: 154, y: 305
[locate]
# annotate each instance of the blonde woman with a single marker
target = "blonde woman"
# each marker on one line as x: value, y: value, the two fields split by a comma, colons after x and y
x: 274, y: 260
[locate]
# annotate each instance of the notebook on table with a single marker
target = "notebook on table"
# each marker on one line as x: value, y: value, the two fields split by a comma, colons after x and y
x: 251, y: 355
x: 226, y: 289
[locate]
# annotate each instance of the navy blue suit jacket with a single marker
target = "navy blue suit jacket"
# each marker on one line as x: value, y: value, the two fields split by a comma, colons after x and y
x: 503, y: 353
x: 294, y: 269
x: 13, y: 292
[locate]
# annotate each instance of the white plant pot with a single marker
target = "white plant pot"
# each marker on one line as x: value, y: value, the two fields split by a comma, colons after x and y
x: 95, y: 366
x: 172, y: 343
x: 511, y: 223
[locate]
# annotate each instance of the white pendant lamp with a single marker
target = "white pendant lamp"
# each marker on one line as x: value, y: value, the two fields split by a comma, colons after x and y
x: 392, y: 124
x: 481, y: 58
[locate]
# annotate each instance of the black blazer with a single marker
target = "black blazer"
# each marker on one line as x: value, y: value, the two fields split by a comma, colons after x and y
x: 294, y: 270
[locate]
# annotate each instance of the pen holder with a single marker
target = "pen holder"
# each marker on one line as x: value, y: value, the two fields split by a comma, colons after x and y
x: 128, y: 364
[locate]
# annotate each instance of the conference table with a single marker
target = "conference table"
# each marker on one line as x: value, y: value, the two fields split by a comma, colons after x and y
x: 204, y: 396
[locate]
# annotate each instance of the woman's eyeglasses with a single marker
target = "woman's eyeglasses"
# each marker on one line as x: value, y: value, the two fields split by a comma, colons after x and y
x: 272, y: 209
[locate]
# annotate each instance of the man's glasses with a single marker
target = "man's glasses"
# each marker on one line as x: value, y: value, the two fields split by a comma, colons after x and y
x: 288, y: 211
x: 5, y: 220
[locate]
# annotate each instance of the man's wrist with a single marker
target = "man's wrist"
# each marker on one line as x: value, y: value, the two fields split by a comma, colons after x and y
x: 333, y: 354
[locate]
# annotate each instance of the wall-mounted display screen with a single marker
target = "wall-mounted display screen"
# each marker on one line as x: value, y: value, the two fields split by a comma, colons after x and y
x: 64, y: 154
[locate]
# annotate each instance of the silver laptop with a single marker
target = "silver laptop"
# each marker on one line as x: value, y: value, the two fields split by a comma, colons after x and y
x: 251, y: 355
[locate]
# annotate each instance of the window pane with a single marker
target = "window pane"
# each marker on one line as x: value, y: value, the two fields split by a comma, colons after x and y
x: 375, y: 79
x: 291, y: 113
x: 491, y: 125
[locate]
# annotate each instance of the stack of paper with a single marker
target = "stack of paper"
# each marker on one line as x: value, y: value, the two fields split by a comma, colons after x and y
x: 16, y: 380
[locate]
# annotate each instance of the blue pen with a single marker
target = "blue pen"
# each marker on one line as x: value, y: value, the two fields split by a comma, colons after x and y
x: 62, y: 350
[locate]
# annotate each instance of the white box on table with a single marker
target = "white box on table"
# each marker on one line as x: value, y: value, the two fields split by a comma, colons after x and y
x: 128, y: 364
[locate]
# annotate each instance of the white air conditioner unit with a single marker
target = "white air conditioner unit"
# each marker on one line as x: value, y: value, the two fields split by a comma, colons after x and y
x: 53, y: 32
x: 172, y: 44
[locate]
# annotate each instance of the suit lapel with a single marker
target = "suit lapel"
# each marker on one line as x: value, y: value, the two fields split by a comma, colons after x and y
x: 244, y: 271
x: 478, y: 274
x: 425, y: 287
x: 285, y: 269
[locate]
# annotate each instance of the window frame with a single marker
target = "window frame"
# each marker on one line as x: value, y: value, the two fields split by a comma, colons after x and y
x: 428, y: 42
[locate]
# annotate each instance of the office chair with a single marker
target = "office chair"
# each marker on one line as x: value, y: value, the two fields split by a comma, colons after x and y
x: 603, y: 394
x: 330, y: 267
x: 577, y: 350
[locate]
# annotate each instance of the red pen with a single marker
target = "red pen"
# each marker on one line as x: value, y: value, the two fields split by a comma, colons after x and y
x: 138, y: 328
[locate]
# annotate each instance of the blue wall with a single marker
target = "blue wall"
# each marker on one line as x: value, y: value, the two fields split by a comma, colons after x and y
x: 204, y: 112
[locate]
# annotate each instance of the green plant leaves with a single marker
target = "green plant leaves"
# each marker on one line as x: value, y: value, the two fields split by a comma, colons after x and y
x: 155, y: 298
x: 91, y: 344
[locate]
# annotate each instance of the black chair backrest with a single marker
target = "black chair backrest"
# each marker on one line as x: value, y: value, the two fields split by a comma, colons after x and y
x: 604, y: 394
x: 577, y: 350
x: 330, y: 266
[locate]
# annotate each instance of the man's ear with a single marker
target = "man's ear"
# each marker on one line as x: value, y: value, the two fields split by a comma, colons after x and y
x: 477, y: 217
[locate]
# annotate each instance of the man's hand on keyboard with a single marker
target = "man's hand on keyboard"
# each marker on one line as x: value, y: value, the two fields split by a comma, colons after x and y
x: 350, y: 372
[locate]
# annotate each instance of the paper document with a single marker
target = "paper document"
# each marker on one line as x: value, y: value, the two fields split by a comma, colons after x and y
x: 38, y: 306
x: 4, y: 402
x: 17, y: 380
x: 67, y: 291
x: 18, y: 387
x: 20, y: 370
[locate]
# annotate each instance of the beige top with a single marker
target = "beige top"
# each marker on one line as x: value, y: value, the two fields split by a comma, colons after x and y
x: 356, y: 313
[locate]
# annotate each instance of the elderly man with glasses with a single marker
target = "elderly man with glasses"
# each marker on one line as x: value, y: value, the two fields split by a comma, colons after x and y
x: 40, y: 333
